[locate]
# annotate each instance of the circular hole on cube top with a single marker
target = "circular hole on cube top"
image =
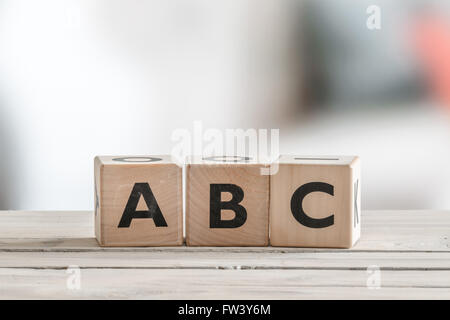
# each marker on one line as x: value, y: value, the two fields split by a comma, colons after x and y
x: 227, y: 158
x: 137, y: 159
x: 321, y: 158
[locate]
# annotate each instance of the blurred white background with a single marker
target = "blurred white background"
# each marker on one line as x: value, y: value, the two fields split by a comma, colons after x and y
x: 84, y: 78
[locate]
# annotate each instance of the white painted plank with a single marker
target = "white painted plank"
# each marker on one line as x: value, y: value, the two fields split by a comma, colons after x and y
x: 412, y: 248
x: 46, y: 224
x: 222, y: 284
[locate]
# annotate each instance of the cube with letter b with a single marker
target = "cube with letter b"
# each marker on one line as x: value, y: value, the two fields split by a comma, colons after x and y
x: 315, y: 202
x: 138, y: 201
x: 227, y: 202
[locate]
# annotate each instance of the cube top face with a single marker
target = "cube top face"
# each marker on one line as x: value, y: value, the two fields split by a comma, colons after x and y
x: 315, y: 204
x: 226, y: 204
x: 138, y: 203
x: 221, y: 160
x: 318, y: 160
x: 135, y: 160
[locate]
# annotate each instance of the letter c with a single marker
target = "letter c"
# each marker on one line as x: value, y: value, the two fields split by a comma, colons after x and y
x: 297, y: 205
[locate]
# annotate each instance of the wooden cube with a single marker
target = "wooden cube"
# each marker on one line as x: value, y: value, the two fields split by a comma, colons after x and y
x: 227, y: 202
x: 138, y: 201
x: 315, y: 202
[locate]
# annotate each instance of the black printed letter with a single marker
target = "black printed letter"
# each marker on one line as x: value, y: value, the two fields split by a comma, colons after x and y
x: 216, y: 206
x: 153, y: 211
x: 297, y: 205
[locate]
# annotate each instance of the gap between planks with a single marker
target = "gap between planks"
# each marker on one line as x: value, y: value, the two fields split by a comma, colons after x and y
x: 163, y: 249
x: 228, y: 260
x: 243, y: 268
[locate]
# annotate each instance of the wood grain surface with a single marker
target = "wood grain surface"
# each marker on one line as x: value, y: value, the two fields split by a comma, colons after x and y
x: 115, y: 181
x: 255, y: 191
x: 342, y: 175
x: 411, y: 250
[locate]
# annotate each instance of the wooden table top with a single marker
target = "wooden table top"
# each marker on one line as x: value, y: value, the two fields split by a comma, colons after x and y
x: 401, y: 255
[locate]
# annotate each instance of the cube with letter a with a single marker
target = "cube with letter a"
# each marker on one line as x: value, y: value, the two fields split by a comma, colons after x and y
x: 315, y: 201
x: 227, y: 202
x: 138, y: 201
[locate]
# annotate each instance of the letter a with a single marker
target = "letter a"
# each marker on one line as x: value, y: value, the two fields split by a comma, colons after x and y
x: 153, y: 212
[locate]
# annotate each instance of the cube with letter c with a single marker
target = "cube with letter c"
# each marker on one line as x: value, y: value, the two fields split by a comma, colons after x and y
x: 315, y: 201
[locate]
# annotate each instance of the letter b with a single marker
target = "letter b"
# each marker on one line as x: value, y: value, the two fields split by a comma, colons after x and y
x: 217, y: 205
